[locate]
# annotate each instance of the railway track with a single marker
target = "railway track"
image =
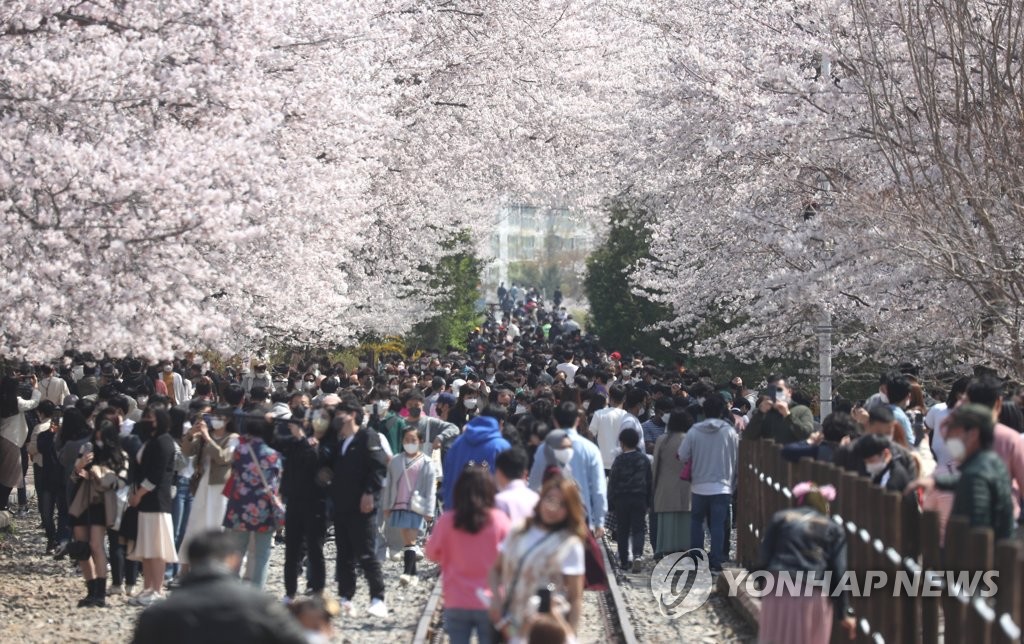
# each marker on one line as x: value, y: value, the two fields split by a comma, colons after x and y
x: 616, y: 623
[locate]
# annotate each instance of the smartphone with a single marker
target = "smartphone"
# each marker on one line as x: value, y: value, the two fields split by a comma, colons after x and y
x: 773, y: 393
x: 545, y: 599
x: 85, y: 448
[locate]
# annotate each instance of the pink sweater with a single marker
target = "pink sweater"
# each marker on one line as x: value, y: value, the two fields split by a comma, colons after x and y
x: 466, y: 558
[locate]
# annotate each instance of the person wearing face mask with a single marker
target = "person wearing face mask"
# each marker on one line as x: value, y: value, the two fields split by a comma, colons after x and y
x: 981, y: 487
x: 655, y: 427
x: 304, y: 493
x: 179, y: 390
x: 408, y: 498
x: 358, y: 465
x: 876, y: 451
x: 881, y: 422
x: 258, y: 377
x: 385, y: 421
x: 467, y: 406
x: 436, y: 433
x: 214, y: 447
x: 776, y: 418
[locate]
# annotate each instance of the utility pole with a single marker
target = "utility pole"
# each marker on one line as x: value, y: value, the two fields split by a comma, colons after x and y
x: 824, y: 330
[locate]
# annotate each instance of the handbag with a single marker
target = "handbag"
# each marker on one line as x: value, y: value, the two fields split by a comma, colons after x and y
x: 686, y: 474
x: 80, y: 501
x: 595, y: 576
x: 120, y: 505
x: 276, y: 505
x: 417, y: 503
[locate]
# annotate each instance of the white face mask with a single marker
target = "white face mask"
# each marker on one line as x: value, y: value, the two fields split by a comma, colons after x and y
x: 563, y: 455
x: 168, y: 368
x: 217, y: 423
x: 665, y: 417
x: 956, y: 448
x: 520, y: 410
x: 382, y: 407
x: 626, y: 373
x: 99, y: 444
x: 411, y: 448
x: 586, y: 405
x: 874, y: 468
x: 470, y: 403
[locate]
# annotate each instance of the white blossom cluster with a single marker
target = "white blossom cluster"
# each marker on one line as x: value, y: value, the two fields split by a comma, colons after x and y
x: 216, y: 174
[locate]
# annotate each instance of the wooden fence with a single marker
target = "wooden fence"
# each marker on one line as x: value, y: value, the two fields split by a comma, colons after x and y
x: 887, y: 532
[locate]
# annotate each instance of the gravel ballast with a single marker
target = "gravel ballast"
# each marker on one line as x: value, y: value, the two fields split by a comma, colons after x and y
x: 38, y: 597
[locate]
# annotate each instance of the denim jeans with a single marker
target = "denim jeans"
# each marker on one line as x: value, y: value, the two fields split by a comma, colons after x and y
x: 712, y: 509
x: 460, y: 623
x: 631, y: 513
x: 264, y: 540
x: 181, y: 508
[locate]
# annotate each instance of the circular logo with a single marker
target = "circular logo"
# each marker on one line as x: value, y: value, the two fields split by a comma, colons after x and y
x: 681, y: 582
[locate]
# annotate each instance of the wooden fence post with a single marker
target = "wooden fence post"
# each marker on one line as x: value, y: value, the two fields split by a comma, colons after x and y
x: 931, y: 559
x: 910, y: 548
x: 979, y: 560
x: 955, y: 546
x: 1009, y: 561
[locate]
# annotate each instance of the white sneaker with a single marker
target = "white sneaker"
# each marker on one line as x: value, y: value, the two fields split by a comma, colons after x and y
x: 377, y: 608
x: 129, y: 591
x: 348, y: 609
x: 397, y: 555
x: 115, y: 590
x: 403, y: 579
x: 146, y: 598
x: 419, y: 552
x: 412, y: 580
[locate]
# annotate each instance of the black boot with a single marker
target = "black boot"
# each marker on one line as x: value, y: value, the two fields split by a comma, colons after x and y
x: 99, y: 599
x: 87, y: 600
x: 410, y: 561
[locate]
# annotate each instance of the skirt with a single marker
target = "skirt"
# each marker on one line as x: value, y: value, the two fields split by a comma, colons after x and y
x: 95, y: 514
x: 795, y: 620
x: 673, y: 532
x: 208, y: 508
x: 155, y: 538
x: 405, y: 519
x: 10, y: 464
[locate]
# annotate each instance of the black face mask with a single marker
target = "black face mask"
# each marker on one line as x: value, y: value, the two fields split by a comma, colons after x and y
x: 298, y: 412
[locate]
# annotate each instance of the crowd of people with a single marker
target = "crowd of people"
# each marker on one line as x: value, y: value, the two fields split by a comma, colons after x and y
x: 504, y: 463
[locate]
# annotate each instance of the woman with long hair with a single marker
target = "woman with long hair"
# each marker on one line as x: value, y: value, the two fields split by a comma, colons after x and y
x: 154, y: 542
x: 214, y: 447
x: 13, y: 432
x: 465, y: 543
x: 99, y: 472
x: 671, y: 494
x: 546, y: 552
x: 804, y: 540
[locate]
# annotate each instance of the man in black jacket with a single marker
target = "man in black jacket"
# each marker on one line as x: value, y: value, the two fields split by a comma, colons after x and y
x: 359, y: 465
x: 212, y: 606
x: 305, y: 508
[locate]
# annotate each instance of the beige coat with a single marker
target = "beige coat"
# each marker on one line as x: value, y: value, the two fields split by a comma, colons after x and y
x: 670, y: 493
x: 220, y: 455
